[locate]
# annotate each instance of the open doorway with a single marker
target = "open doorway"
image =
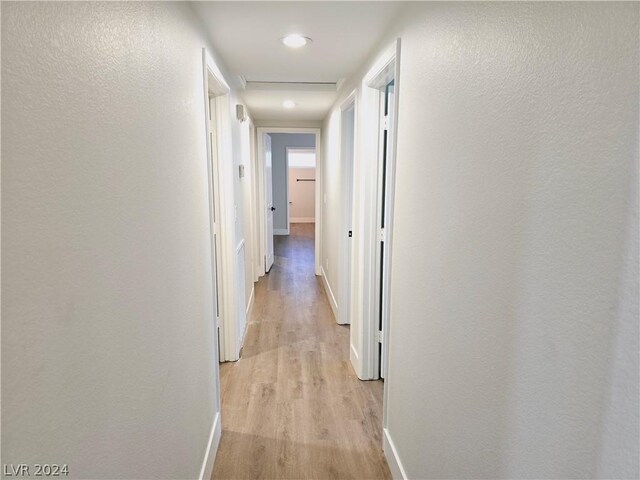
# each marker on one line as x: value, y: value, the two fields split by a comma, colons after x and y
x: 278, y: 149
x: 302, y: 147
x: 301, y: 178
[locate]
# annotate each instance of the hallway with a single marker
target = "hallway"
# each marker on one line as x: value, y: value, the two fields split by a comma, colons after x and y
x: 471, y: 170
x: 292, y: 406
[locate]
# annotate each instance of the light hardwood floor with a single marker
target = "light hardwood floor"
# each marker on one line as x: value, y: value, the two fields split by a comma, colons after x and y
x: 292, y: 406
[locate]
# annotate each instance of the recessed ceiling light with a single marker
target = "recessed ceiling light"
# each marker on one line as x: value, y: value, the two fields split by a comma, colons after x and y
x: 288, y: 104
x: 295, y: 41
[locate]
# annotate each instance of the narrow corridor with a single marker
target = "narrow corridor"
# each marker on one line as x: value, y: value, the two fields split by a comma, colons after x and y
x: 473, y: 172
x: 292, y: 406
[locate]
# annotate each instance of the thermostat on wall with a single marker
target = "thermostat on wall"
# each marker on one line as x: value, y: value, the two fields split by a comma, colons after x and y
x: 241, y: 112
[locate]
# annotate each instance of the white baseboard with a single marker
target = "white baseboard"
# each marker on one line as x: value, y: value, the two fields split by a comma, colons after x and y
x: 332, y: 298
x: 355, y: 360
x: 391, y: 454
x: 212, y: 448
x: 354, y: 354
x: 303, y: 220
x: 246, y: 323
x: 250, y: 303
x: 281, y: 231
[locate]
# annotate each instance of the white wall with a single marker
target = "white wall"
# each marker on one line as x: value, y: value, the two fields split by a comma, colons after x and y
x: 279, y: 144
x: 514, y: 307
x: 108, y: 353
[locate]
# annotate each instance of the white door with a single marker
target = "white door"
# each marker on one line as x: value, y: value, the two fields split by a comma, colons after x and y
x: 215, y: 216
x: 348, y: 132
x: 268, y: 172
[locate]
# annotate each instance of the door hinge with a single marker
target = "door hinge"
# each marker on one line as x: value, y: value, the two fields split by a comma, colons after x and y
x: 381, y: 235
x: 218, y: 322
x: 385, y: 122
x: 350, y: 233
x: 379, y: 336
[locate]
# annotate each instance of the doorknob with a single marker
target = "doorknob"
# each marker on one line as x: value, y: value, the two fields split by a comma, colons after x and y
x: 273, y: 208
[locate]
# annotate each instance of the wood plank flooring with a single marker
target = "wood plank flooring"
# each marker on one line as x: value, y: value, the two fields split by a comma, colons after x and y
x: 292, y: 406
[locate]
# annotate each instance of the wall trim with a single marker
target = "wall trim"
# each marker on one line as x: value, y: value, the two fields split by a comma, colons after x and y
x: 332, y: 298
x: 302, y: 220
x: 355, y: 361
x: 368, y: 171
x: 281, y: 231
x: 250, y: 302
x: 391, y: 454
x: 212, y: 448
x: 354, y: 353
x: 221, y: 173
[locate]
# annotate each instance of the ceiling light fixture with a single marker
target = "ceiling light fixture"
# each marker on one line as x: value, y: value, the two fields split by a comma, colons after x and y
x: 288, y: 104
x: 295, y: 41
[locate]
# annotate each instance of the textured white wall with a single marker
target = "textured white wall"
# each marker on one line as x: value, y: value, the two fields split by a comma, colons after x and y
x: 107, y: 313
x: 518, y: 134
x: 514, y: 302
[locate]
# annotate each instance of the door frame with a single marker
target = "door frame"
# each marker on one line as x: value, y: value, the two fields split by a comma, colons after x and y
x: 260, y: 131
x: 386, y: 68
x: 286, y: 162
x: 384, y: 211
x: 214, y: 84
x: 221, y: 174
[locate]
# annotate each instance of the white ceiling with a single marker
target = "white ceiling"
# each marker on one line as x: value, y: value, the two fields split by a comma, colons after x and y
x: 247, y: 37
x: 264, y: 100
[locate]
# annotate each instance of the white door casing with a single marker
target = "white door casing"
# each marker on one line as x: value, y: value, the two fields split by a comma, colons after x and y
x: 366, y: 300
x: 213, y: 83
x: 221, y: 193
x: 385, y: 211
x: 384, y: 200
